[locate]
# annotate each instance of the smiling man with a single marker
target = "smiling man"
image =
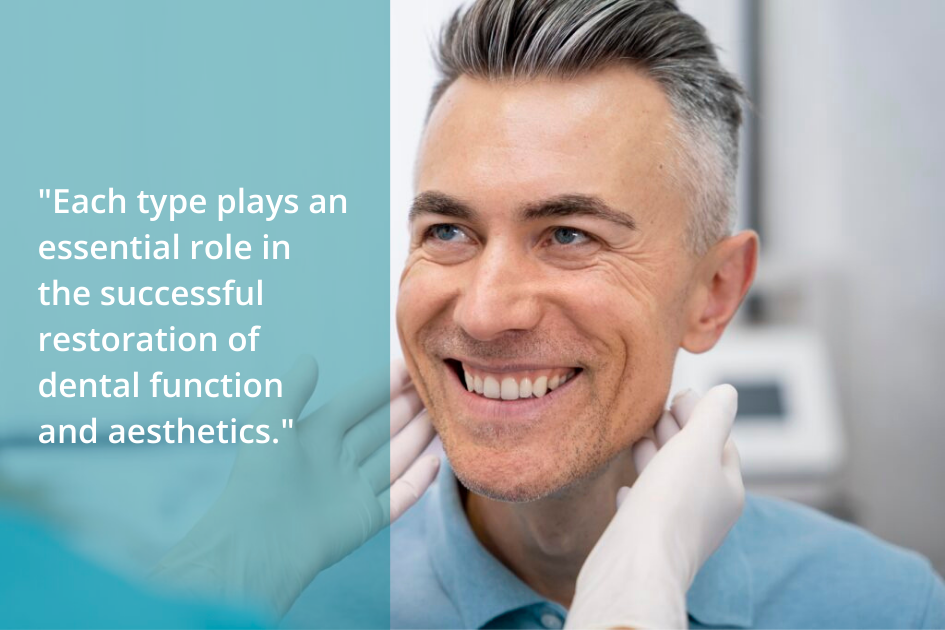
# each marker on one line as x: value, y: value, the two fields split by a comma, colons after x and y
x: 552, y: 278
x: 570, y: 233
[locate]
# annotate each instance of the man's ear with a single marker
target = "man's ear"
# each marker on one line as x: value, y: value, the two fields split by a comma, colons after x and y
x: 723, y: 278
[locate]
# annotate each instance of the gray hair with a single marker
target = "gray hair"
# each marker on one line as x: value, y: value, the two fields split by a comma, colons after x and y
x: 523, y: 39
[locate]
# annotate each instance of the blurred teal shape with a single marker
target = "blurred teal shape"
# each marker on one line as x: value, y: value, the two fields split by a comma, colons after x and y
x: 298, y: 505
x: 288, y: 98
x: 44, y: 584
x: 190, y: 98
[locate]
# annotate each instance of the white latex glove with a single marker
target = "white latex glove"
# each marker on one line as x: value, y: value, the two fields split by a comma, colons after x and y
x: 294, y: 508
x: 687, y: 497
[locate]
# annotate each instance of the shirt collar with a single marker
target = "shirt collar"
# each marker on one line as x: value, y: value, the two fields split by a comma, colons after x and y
x: 482, y: 588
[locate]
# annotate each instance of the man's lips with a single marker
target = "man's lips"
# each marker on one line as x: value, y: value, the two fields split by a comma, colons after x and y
x: 511, y: 382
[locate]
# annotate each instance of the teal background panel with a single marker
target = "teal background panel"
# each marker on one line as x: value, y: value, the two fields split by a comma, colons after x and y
x: 186, y: 98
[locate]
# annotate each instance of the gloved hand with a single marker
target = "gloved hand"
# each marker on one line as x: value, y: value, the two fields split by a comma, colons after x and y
x: 687, y: 497
x: 293, y: 508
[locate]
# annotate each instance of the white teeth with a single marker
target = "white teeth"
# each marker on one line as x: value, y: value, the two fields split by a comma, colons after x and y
x: 509, y: 389
x: 525, y: 388
x: 490, y: 388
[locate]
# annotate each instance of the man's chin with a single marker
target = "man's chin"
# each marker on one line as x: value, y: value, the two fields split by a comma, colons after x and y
x: 508, y: 478
x: 502, y: 491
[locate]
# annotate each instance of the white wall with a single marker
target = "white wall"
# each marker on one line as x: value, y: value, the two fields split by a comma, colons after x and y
x: 414, y: 25
x: 854, y: 157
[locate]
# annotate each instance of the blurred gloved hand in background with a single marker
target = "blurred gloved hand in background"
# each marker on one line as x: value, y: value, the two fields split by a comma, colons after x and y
x: 293, y: 508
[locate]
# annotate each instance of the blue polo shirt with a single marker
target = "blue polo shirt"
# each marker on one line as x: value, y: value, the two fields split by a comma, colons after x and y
x: 781, y: 566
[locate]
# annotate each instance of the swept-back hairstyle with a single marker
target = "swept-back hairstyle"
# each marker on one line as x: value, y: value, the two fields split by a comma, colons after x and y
x: 525, y: 39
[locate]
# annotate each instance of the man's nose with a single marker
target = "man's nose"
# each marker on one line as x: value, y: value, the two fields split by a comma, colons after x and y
x: 502, y: 295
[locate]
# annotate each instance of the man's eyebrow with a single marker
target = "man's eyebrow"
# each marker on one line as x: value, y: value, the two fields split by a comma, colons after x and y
x: 434, y: 202
x: 577, y: 205
x: 439, y: 203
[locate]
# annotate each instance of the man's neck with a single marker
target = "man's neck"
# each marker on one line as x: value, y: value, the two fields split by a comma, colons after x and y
x: 545, y: 542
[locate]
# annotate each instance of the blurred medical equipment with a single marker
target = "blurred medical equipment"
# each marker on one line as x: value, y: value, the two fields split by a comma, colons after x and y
x: 789, y: 429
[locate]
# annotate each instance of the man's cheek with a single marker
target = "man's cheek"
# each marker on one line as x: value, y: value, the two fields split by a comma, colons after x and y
x: 406, y: 310
x: 411, y: 315
x: 641, y: 394
x: 437, y: 420
x: 421, y: 298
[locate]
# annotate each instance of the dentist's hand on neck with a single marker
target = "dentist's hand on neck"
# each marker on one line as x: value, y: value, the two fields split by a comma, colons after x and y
x: 687, y: 497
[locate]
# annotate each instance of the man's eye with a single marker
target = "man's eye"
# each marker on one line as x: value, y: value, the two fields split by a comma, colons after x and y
x: 569, y: 236
x: 445, y: 232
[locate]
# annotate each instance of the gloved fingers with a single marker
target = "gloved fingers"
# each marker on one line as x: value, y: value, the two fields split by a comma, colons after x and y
x: 399, y: 376
x: 622, y: 494
x: 665, y: 429
x: 682, y: 406
x: 356, y: 402
x: 400, y: 413
x: 393, y: 458
x: 368, y: 435
x: 376, y: 470
x: 643, y: 451
x: 711, y: 421
x: 406, y: 446
x: 732, y: 464
x: 297, y: 387
x: 407, y: 490
x: 374, y: 431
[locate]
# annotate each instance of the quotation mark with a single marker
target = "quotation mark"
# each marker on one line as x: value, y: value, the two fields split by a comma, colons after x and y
x: 44, y: 194
x: 285, y: 425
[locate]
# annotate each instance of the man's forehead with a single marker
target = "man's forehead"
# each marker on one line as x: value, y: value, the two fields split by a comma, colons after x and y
x: 544, y: 137
x: 586, y: 99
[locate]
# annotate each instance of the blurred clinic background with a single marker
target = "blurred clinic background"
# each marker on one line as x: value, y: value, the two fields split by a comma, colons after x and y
x: 836, y: 352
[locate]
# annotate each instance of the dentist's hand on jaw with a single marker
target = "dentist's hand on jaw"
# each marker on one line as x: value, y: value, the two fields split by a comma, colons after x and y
x: 293, y: 508
x: 687, y: 497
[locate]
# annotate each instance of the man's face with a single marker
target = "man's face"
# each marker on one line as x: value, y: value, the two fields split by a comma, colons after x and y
x: 547, y: 247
